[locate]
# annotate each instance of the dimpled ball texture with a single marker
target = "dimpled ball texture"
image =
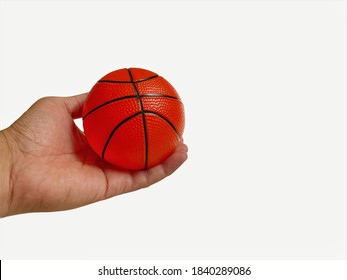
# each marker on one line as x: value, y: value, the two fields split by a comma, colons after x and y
x: 133, y: 118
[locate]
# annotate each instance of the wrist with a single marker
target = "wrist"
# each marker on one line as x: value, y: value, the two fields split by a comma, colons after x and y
x: 5, y: 175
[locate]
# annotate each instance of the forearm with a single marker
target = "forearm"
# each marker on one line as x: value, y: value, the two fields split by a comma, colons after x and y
x: 5, y: 171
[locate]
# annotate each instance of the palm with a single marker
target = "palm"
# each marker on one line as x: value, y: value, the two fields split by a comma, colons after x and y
x: 56, y: 169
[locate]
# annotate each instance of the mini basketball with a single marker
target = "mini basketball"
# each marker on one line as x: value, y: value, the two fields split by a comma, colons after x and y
x: 133, y: 118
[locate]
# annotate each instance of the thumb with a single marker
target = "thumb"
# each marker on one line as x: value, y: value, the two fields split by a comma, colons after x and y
x: 74, y: 104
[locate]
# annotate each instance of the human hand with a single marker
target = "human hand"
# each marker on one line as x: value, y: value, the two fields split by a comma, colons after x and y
x: 47, y: 165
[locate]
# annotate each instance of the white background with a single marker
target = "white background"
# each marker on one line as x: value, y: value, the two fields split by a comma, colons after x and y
x: 263, y: 85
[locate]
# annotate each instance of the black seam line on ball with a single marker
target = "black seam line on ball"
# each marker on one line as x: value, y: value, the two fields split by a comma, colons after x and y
x: 165, y: 119
x: 128, y: 82
x: 143, y: 117
x: 130, y: 96
x: 108, y: 102
x: 115, y: 129
x: 159, y: 95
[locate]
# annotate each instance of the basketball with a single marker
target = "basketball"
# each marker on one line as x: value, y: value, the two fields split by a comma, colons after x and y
x: 133, y: 118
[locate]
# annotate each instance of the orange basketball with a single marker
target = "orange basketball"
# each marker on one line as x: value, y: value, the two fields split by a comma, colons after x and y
x: 133, y: 118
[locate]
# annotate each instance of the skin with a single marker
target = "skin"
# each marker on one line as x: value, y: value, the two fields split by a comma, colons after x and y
x: 47, y: 165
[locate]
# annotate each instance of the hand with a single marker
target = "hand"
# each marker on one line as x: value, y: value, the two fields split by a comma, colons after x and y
x: 47, y: 165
